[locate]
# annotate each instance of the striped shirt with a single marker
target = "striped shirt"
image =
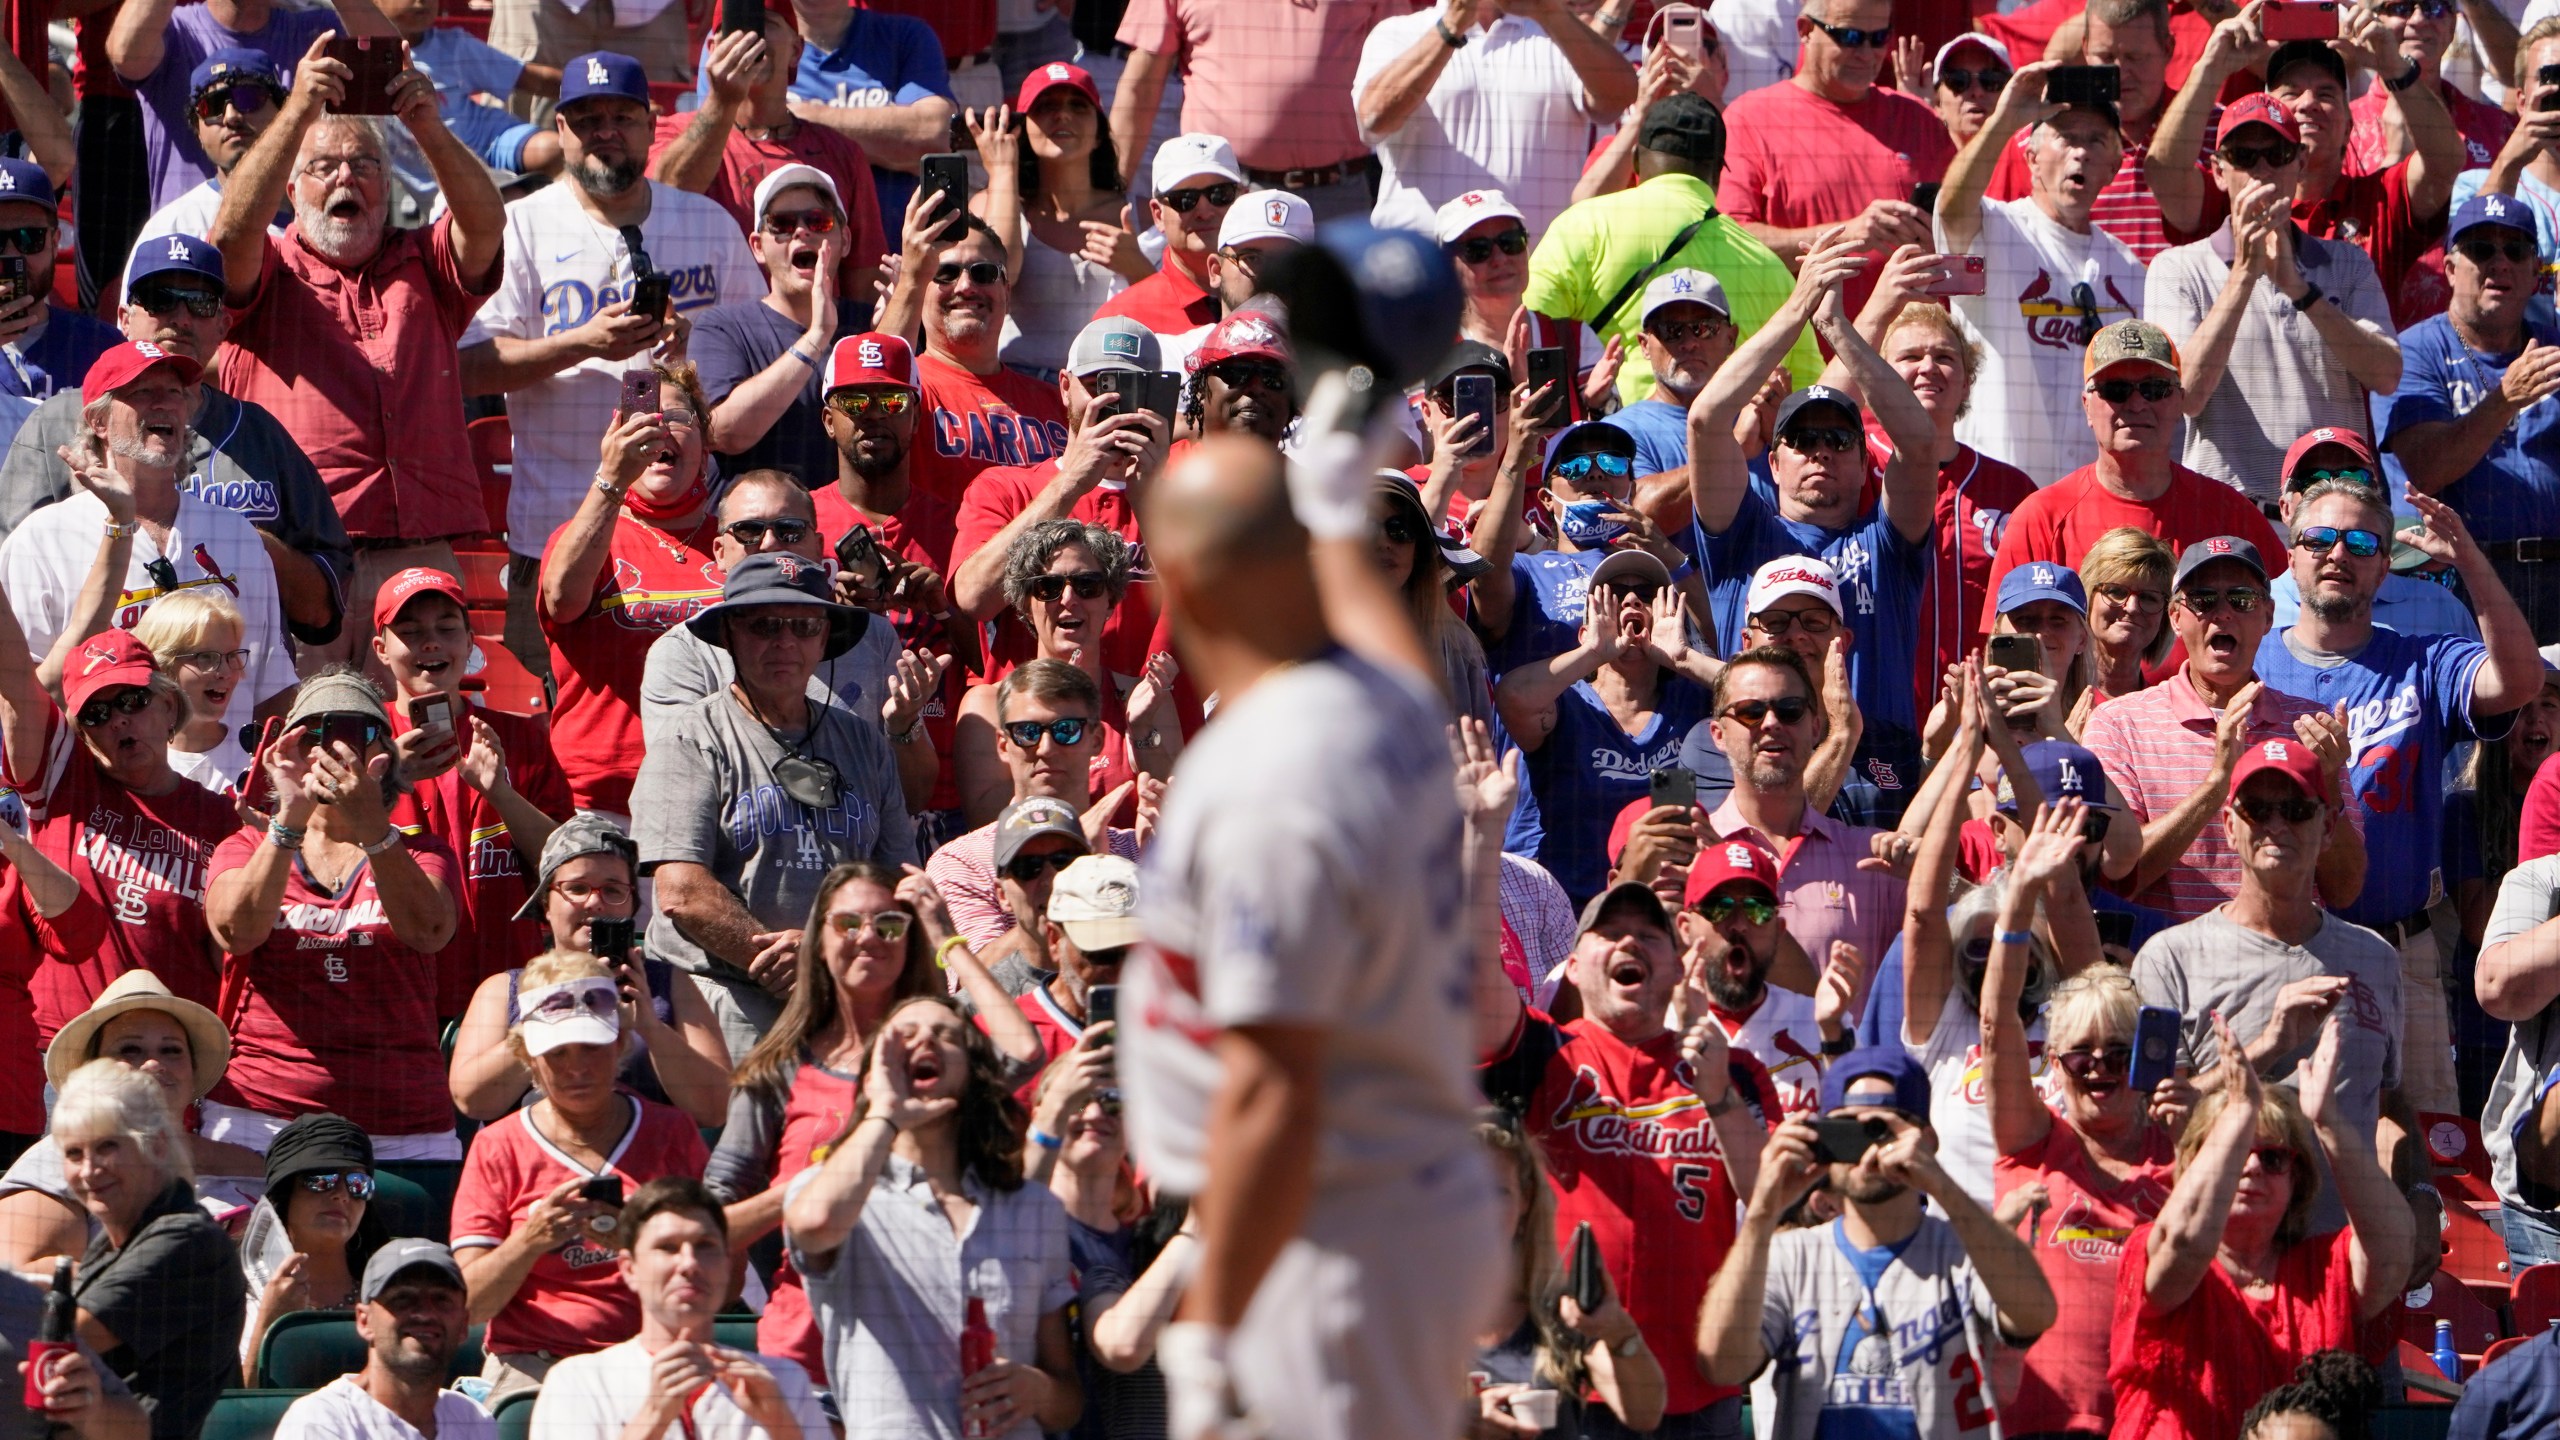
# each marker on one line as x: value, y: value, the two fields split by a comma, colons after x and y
x: 1822, y: 894
x: 2157, y: 746
x: 1538, y: 917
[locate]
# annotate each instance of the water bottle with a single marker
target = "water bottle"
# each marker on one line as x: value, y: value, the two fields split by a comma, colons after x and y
x: 978, y: 1351
x: 2448, y: 1359
x: 53, y: 1333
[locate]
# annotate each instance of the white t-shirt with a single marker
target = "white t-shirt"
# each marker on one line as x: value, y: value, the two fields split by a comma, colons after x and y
x: 2026, y: 398
x: 1506, y: 113
x: 1781, y: 1034
x: 1959, y: 1101
x: 191, y: 215
x: 1306, y: 872
x: 44, y: 560
x: 590, y: 1397
x: 563, y: 265
x: 1760, y: 43
x: 341, y: 1410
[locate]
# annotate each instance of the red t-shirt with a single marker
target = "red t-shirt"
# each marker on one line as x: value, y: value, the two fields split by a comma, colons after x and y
x: 2538, y: 830
x: 2028, y: 29
x: 31, y: 946
x: 653, y: 582
x: 1793, y: 158
x: 494, y: 882
x: 745, y: 161
x: 1169, y: 302
x: 2060, y: 522
x: 1058, y: 1032
x: 2484, y: 129
x: 333, y: 1012
x: 2192, y: 1373
x: 142, y: 859
x: 2375, y: 212
x: 2078, y: 1241
x: 973, y: 421
x: 1630, y: 1149
x: 965, y: 27
x: 820, y: 1104
x: 574, y: 1301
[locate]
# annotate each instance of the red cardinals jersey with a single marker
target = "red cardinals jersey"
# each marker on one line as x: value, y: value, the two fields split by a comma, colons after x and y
x: 652, y: 583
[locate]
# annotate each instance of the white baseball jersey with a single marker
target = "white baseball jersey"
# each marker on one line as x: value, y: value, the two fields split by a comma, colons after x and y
x: 1781, y: 1034
x: 1306, y: 872
x: 1890, y: 1344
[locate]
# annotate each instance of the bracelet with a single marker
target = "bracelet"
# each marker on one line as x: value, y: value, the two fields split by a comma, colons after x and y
x: 796, y: 353
x: 1731, y: 1102
x: 908, y: 735
x: 1044, y: 1139
x: 1448, y: 37
x: 2014, y: 937
x: 1840, y: 1044
x: 124, y: 530
x: 944, y: 949
x: 283, y: 836
x: 609, y: 488
x: 390, y: 836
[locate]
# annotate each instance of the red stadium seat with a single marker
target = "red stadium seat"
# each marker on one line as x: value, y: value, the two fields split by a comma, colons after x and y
x: 2475, y: 1326
x: 665, y: 96
x: 2460, y: 1161
x: 484, y: 578
x: 2502, y: 1347
x: 502, y: 681
x: 2475, y: 1252
x: 493, y: 453
x: 2537, y: 1298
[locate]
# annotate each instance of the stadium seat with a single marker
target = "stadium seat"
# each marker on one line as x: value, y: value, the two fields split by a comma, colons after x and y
x: 248, y: 1414
x: 437, y: 1179
x: 2536, y: 1302
x: 2475, y: 1252
x: 736, y: 1332
x: 2475, y: 1326
x: 307, y: 1349
x: 2501, y: 1348
x: 406, y: 1207
x: 2460, y: 1161
x: 493, y: 453
x: 515, y: 1416
x: 502, y: 682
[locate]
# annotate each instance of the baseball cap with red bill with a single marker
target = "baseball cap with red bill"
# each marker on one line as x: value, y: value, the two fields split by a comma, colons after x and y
x: 1729, y: 862
x: 129, y: 362
x: 1245, y: 333
x: 1051, y: 76
x: 2258, y: 109
x: 104, y: 661
x: 2346, y: 438
x: 408, y: 585
x: 871, y: 358
x: 2290, y: 758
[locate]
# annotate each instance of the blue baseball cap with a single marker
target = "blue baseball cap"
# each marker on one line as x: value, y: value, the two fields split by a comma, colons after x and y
x: 602, y: 72
x: 2490, y: 209
x: 2062, y: 771
x: 2042, y: 580
x: 183, y: 254
x: 25, y: 180
x: 1890, y: 1063
x: 1812, y: 395
x: 236, y: 63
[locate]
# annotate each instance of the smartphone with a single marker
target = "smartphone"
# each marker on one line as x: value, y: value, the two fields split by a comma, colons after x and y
x: 436, y: 710
x: 746, y: 15
x: 1681, y: 29
x: 948, y: 173
x: 1547, y: 365
x: 1674, y: 785
x: 375, y: 61
x: 1472, y: 394
x: 609, y: 939
x: 1101, y: 1004
x: 2115, y: 927
x: 1160, y: 394
x: 2083, y: 85
x: 603, y: 1190
x: 2284, y: 20
x: 2155, y: 1043
x: 1115, y: 392
x: 2014, y: 652
x: 1964, y: 277
x: 1924, y: 197
x: 858, y: 555
x: 1589, y: 1288
x: 649, y: 296
x: 2547, y: 76
x: 13, y: 278
x: 1844, y: 1139
x: 639, y: 391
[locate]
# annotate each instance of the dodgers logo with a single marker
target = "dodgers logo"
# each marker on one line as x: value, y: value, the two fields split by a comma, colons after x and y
x: 596, y: 72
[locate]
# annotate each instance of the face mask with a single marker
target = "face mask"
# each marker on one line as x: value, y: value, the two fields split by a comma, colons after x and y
x: 1590, y: 524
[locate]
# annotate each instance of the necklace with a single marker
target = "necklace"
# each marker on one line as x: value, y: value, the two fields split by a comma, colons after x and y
x: 676, y: 549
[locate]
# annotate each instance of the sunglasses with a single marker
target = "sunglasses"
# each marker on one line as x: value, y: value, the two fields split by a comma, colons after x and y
x: 2403, y: 9
x: 2273, y: 155
x: 1850, y: 37
x: 27, y: 239
x: 2320, y: 539
x: 1025, y: 734
x: 1050, y: 589
x: 357, y: 1184
x: 1681, y: 332
x: 1776, y: 623
x: 1245, y: 374
x: 768, y: 627
x: 981, y: 272
x: 1756, y: 909
x: 751, y: 533
x: 2111, y: 1061
x: 2149, y: 602
x: 2241, y: 598
x: 1814, y: 439
x: 1026, y: 868
x: 2260, y: 809
x: 124, y: 702
x: 2355, y: 474
x: 248, y: 97
x: 601, y: 1000
x: 2272, y: 1158
x: 1581, y: 467
x: 1481, y: 248
x: 816, y: 222
x: 1641, y: 591
x: 161, y: 299
x: 2117, y: 392
x: 1182, y: 202
x: 1991, y: 78
x: 2481, y: 252
x: 356, y: 732
x: 1398, y: 530
x: 854, y: 404
x: 889, y: 925
x: 1789, y: 710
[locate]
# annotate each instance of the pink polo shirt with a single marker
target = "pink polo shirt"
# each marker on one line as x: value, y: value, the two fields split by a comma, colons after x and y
x: 1822, y: 894
x: 2157, y: 746
x: 1274, y: 79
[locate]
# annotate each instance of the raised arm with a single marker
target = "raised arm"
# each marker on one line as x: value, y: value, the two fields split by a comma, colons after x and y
x: 2178, y: 142
x: 1496, y: 528
x: 1928, y: 950
x: 103, y: 586
x: 256, y: 187
x: 2019, y: 1119
x: 1401, y: 85
x: 479, y: 216
x: 2437, y: 152
x: 2378, y: 1215
x: 691, y: 161
x: 578, y: 557
x: 2189, y: 1231
x: 820, y: 1216
x: 1731, y: 1349
x: 138, y: 38
x: 1719, y: 474
x: 1910, y: 492
x: 1528, y: 695
x: 2021, y: 105
x: 40, y: 121
x: 2512, y: 673
x: 1488, y: 788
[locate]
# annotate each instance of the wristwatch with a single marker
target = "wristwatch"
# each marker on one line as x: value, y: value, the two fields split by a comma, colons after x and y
x: 2404, y: 80
x: 2310, y: 296
x: 1448, y: 37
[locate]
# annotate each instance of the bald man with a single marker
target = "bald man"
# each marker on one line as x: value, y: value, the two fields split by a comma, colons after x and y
x: 1298, y: 1027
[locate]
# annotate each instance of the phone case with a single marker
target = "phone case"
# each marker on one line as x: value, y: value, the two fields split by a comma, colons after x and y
x: 946, y: 172
x: 2083, y: 85
x: 746, y: 15
x: 2155, y: 1047
x: 1473, y: 395
x: 1965, y: 276
x: 376, y: 61
x: 1584, y: 1276
x: 2301, y: 20
x: 649, y: 294
x: 639, y: 391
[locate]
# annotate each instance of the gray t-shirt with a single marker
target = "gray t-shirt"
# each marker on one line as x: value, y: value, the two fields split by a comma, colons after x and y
x: 2525, y: 899
x: 682, y: 668
x: 2213, y: 963
x: 706, y: 794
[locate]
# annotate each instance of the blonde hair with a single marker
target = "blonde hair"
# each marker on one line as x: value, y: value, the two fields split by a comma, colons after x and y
x: 2126, y: 556
x: 2280, y: 1116
x: 109, y: 1097
x: 1920, y: 315
x: 2543, y: 29
x: 186, y: 622
x: 558, y: 967
x: 1537, y: 1271
x: 2098, y: 1004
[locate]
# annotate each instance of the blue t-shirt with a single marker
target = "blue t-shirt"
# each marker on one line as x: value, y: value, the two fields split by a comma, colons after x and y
x: 2406, y: 603
x: 1550, y: 589
x: 1880, y: 579
x: 2515, y: 489
x: 883, y: 60
x: 1662, y: 434
x: 463, y: 65
x: 169, y: 145
x: 58, y: 359
x: 1589, y: 770
x: 2408, y: 699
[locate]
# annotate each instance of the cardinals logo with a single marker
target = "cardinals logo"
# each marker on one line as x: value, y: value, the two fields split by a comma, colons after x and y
x: 1605, y: 1125
x: 871, y: 356
x: 2055, y: 321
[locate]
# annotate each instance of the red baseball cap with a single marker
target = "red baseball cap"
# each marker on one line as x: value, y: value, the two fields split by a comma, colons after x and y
x: 104, y: 661
x: 408, y: 585
x: 1245, y: 333
x: 1049, y: 77
x: 129, y: 362
x: 1624, y: 827
x: 2346, y: 437
x: 2258, y: 109
x: 871, y: 358
x: 1727, y: 862
x: 2287, y: 757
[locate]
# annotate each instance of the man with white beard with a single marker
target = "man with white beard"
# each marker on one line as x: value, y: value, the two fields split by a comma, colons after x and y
x: 345, y: 328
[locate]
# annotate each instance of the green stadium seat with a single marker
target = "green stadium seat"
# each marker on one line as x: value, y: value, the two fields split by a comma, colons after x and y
x: 309, y: 1348
x: 248, y: 1414
x: 514, y: 1416
x: 422, y: 1202
x: 736, y: 1332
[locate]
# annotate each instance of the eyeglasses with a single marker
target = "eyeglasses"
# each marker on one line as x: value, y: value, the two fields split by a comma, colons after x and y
x: 2403, y: 9
x: 1789, y: 709
x: 2354, y: 474
x: 981, y: 272
x: 1991, y: 78
x: 579, y: 892
x: 1481, y: 248
x: 2111, y: 1061
x: 2274, y: 155
x: 599, y: 999
x: 26, y: 239
x: 161, y: 299
x: 1850, y: 37
x: 1050, y: 589
x: 356, y: 732
x: 1756, y: 909
x: 1244, y: 374
x: 854, y: 404
x: 1219, y: 196
x: 816, y: 222
x: 209, y: 661
x: 1026, y: 868
x: 2320, y: 539
x: 2272, y: 1158
x: 768, y: 627
x: 2481, y: 252
x: 107, y: 707
x: 1814, y: 439
x: 2117, y: 392
x: 1815, y: 621
x: 1398, y: 530
x: 2149, y: 602
x: 247, y: 97
x: 751, y: 533
x: 1681, y: 332
x: 1025, y: 734
x: 357, y: 1184
x: 363, y: 167
x: 2259, y: 810
x: 1580, y: 467
x: 2241, y: 598
x: 889, y: 925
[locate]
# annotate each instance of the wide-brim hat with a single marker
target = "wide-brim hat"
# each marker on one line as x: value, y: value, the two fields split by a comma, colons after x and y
x: 76, y: 1043
x: 762, y: 581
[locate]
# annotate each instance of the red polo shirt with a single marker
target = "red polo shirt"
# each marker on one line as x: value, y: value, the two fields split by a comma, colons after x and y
x: 1167, y: 302
x: 745, y: 161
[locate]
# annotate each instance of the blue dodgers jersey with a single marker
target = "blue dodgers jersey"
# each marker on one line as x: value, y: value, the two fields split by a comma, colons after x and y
x: 1880, y: 580
x: 1589, y: 770
x: 1549, y: 591
x: 2408, y: 700
x: 2515, y: 490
